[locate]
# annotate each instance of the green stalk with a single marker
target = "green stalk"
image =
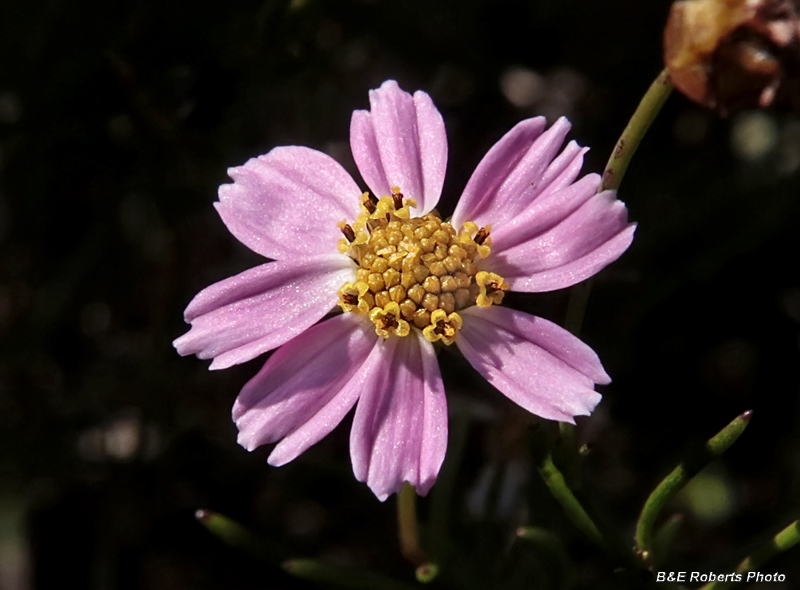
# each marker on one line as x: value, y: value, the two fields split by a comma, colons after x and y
x: 631, y: 137
x: 579, y: 513
x: 555, y: 481
x: 408, y: 533
x: 233, y: 533
x: 615, y: 169
x: 783, y: 541
x: 679, y: 477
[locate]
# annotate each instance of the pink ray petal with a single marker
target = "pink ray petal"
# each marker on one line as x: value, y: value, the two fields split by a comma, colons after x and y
x: 533, y: 362
x: 577, y: 247
x: 400, y: 427
x: 287, y: 203
x: 305, y: 388
x: 241, y: 317
x: 401, y: 141
x: 544, y: 213
x: 518, y: 169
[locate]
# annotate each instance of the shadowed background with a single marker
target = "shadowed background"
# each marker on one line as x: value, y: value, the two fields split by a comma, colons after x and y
x: 117, y: 124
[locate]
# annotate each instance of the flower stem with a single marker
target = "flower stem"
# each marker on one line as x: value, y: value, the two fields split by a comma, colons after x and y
x: 783, y: 541
x: 555, y: 481
x: 617, y: 165
x: 679, y: 477
x: 576, y: 307
x: 409, y: 535
x: 640, y: 122
x: 233, y: 533
x: 578, y: 512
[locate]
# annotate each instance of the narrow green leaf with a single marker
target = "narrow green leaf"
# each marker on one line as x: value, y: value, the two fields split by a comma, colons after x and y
x: 679, y: 477
x: 783, y: 541
x: 233, y: 533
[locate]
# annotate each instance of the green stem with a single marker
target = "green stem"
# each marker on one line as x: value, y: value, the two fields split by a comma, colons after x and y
x: 679, y: 477
x: 615, y: 169
x: 591, y: 526
x: 566, y: 454
x: 408, y: 533
x: 407, y: 525
x: 233, y: 533
x: 783, y: 541
x: 555, y: 481
x: 631, y: 137
x: 576, y: 307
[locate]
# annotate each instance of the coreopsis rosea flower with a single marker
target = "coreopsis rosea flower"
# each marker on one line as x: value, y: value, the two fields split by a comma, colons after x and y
x: 404, y: 280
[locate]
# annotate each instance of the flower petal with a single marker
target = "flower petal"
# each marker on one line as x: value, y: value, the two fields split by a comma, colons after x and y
x: 287, y: 202
x: 241, y: 317
x: 401, y: 141
x: 544, y: 213
x: 578, y: 246
x: 518, y: 169
x: 535, y: 363
x: 304, y: 389
x: 400, y: 426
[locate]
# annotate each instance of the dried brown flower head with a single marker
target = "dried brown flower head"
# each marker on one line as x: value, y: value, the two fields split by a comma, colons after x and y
x: 728, y: 54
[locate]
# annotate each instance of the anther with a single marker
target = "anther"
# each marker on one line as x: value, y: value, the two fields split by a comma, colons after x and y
x: 397, y: 197
x: 349, y: 233
x: 481, y: 236
x: 370, y: 204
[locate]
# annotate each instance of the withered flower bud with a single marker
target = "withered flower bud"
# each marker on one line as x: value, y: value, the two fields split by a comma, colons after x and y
x: 729, y: 54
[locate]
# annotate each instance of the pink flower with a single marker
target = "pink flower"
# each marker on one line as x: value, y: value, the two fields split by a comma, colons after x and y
x: 405, y: 280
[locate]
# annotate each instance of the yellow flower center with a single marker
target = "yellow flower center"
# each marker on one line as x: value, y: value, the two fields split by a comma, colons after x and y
x: 415, y: 271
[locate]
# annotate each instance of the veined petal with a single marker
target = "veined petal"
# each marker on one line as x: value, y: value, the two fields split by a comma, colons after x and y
x: 241, y: 317
x: 516, y: 171
x: 533, y: 362
x: 304, y: 389
x: 577, y: 247
x: 287, y: 203
x: 400, y: 427
x: 544, y: 213
x: 401, y: 141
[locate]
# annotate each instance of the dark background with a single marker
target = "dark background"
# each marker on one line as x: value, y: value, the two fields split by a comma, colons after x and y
x: 117, y: 123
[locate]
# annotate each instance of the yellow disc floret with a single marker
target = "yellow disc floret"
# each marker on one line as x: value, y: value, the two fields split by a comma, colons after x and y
x: 415, y: 271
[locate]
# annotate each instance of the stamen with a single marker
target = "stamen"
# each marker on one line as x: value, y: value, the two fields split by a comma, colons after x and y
x: 397, y: 197
x: 492, y: 288
x: 349, y: 233
x: 369, y: 204
x: 443, y: 327
x: 481, y: 236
